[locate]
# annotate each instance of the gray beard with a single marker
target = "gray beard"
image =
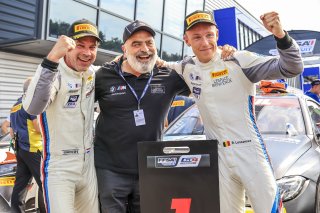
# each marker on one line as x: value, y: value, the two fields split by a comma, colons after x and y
x: 139, y: 66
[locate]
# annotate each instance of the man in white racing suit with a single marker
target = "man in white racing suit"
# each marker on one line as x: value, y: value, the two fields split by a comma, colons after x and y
x: 62, y: 93
x: 224, y: 92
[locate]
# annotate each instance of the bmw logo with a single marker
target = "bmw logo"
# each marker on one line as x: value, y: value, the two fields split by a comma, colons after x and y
x: 112, y: 89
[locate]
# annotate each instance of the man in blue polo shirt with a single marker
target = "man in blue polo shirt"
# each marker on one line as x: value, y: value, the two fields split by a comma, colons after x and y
x: 314, y: 92
x: 28, y: 146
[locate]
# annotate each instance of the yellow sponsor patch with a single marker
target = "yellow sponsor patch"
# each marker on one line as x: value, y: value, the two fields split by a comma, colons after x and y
x: 198, y: 16
x: 178, y: 103
x: 85, y: 27
x: 219, y: 74
x: 16, y: 108
x: 7, y: 181
x: 90, y: 78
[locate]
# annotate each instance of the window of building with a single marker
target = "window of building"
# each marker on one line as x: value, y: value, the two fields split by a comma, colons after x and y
x: 171, y: 49
x: 250, y: 36
x: 60, y: 20
x: 157, y: 40
x: 111, y: 32
x: 174, y: 17
x: 245, y: 36
x: 193, y: 5
x: 124, y: 8
x: 241, y: 35
x: 150, y: 12
x: 187, y: 51
x: 94, y: 2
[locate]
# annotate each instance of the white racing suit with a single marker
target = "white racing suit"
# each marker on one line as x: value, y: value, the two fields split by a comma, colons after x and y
x: 64, y: 99
x: 224, y: 92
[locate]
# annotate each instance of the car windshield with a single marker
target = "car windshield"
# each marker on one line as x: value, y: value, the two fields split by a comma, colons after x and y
x: 273, y: 116
x: 188, y: 124
x: 279, y: 115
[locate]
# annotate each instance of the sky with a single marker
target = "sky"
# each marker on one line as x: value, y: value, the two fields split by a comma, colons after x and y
x: 294, y: 14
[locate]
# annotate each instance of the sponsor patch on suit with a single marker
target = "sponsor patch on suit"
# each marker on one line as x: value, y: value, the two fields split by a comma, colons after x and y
x: 196, y: 92
x: 70, y: 152
x: 89, y: 86
x: 72, y: 101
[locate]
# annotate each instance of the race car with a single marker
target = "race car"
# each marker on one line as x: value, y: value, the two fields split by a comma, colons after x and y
x: 8, y: 165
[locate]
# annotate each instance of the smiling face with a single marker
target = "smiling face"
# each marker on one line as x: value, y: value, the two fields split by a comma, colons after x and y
x: 83, y: 55
x: 140, y: 51
x: 203, y: 38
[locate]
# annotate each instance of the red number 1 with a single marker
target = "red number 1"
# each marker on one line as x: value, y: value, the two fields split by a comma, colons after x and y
x: 181, y: 205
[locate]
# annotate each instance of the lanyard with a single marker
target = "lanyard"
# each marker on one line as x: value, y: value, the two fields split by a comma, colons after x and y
x: 131, y: 88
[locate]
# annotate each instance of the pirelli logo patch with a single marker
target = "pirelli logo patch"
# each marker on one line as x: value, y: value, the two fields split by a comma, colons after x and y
x: 198, y: 16
x: 178, y: 103
x: 85, y: 27
x: 219, y: 74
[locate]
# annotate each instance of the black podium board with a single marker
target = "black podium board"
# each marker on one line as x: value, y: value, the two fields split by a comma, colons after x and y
x: 179, y: 177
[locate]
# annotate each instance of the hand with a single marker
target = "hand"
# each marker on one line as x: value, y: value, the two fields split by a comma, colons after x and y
x: 227, y: 51
x: 117, y: 58
x: 160, y: 62
x: 271, y: 22
x: 60, y: 49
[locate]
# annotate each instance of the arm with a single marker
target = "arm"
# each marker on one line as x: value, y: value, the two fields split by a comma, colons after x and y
x: 5, y: 127
x: 42, y: 89
x: 11, y: 133
x: 227, y: 51
x: 46, y: 82
x: 288, y: 64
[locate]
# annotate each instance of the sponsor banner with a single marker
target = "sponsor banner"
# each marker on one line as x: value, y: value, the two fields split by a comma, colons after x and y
x: 178, y: 161
x: 306, y: 46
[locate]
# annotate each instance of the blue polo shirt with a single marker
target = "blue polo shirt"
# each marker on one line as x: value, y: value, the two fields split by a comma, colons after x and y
x: 312, y: 95
x: 21, y: 123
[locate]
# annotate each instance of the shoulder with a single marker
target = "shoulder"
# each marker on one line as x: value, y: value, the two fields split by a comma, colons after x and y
x: 94, y: 68
x: 106, y: 68
x: 166, y: 73
x: 188, y: 60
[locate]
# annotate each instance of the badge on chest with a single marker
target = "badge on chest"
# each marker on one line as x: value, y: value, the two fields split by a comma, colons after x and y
x: 72, y: 101
x: 139, y: 117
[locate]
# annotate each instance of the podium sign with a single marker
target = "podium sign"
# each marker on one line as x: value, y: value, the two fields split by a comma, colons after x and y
x: 179, y: 177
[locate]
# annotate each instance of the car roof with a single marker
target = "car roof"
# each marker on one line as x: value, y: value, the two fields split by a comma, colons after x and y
x: 291, y: 92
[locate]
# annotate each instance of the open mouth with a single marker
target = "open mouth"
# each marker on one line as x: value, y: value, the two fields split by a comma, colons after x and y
x: 144, y: 57
x: 207, y: 49
x: 84, y: 60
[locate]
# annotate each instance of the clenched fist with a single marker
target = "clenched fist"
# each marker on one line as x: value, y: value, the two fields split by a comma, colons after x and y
x: 60, y: 49
x: 271, y: 22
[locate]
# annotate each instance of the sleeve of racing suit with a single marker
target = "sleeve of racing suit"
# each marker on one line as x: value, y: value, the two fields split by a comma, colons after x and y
x: 43, y: 88
x: 179, y: 66
x: 287, y: 65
